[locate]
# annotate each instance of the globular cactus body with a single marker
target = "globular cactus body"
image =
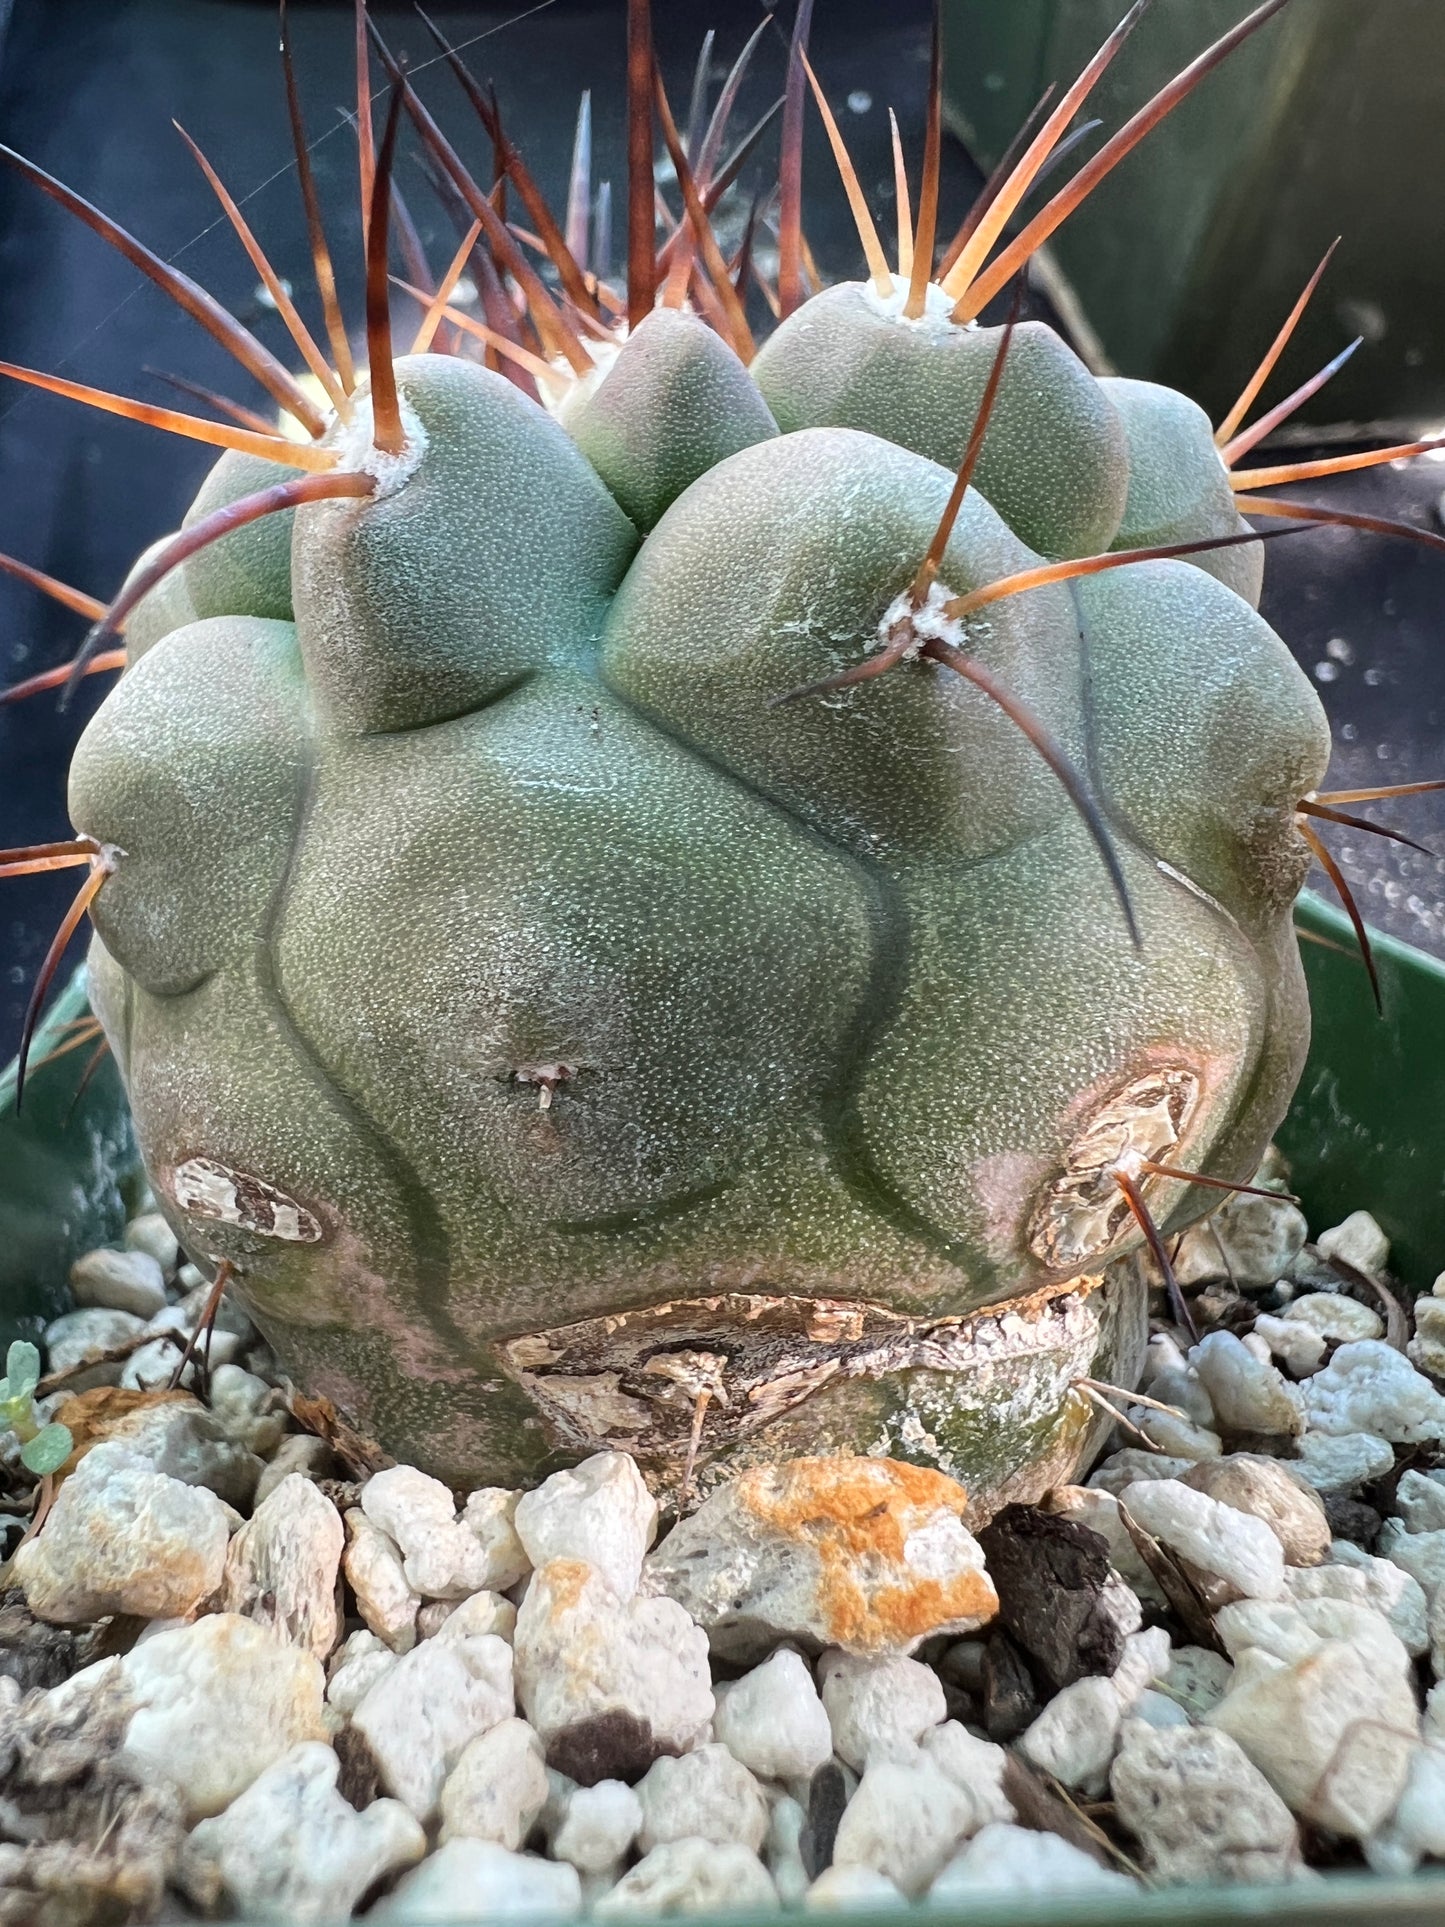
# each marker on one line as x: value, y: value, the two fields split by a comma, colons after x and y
x: 710, y: 918
x: 822, y: 997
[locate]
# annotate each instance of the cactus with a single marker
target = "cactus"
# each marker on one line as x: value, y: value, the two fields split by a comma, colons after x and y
x: 664, y: 894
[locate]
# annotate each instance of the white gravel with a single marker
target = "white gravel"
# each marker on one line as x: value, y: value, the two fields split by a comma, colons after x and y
x: 562, y: 1717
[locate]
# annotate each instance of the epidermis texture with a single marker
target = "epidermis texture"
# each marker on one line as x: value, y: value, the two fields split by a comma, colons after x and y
x: 494, y: 967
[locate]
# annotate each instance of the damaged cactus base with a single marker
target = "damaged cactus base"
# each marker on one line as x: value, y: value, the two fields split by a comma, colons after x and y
x: 701, y: 1389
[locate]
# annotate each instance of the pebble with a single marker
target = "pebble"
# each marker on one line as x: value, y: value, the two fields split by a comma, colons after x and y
x: 1074, y: 1737
x: 374, y: 1572
x: 1145, y: 1660
x: 175, y: 1433
x: 599, y: 1825
x: 906, y: 1820
x: 1358, y: 1241
x: 1421, y: 1554
x: 691, y: 1877
x: 1097, y: 1509
x: 1010, y: 1859
x: 1300, y: 1348
x: 282, y: 1566
x: 976, y: 1767
x: 1363, y: 1580
x: 1197, y: 1678
x: 423, y: 1711
x: 1420, y: 1501
x: 1415, y: 1831
x: 783, y: 1849
x: 291, y: 1848
x: 850, y: 1887
x: 1235, y: 1555
x: 1247, y: 1396
x: 1352, y: 1519
x: 498, y: 1787
x: 299, y: 1452
x: 1370, y: 1387
x: 878, y: 1708
x: 484, y: 1612
x: 1260, y: 1238
x: 119, y: 1281
x: 1179, y: 1385
x: 707, y: 1794
x: 599, y: 1512
x: 248, y: 1409
x: 153, y: 1366
x: 445, y: 1556
x: 476, y: 1880
x: 123, y: 1538
x: 1123, y: 1468
x: 1290, y: 1630
x: 773, y: 1720
x: 1332, y: 1734
x: 1179, y: 1437
x: 80, y: 1335
x: 1200, y: 1810
x: 868, y: 1555
x: 1427, y: 1348
x: 1163, y: 1356
x: 1343, y: 1461
x: 358, y: 1672
x: 229, y: 1319
x: 218, y: 1702
x: 1335, y: 1316
x: 1157, y: 1709
x: 151, y: 1234
x: 609, y: 1686
x: 1270, y: 1490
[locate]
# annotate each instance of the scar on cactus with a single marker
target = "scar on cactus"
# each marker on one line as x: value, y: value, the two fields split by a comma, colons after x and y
x: 700, y: 1067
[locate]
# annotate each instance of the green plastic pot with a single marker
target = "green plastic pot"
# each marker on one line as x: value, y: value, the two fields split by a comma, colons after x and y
x: 1336, y: 1901
x: 69, y: 1169
x: 1367, y: 1128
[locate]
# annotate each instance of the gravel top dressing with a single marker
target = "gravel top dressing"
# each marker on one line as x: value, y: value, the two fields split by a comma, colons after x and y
x: 249, y: 1669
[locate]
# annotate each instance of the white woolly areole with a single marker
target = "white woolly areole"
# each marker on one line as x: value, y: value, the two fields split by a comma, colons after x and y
x: 572, y: 389
x: 353, y: 441
x: 928, y: 622
x: 937, y: 305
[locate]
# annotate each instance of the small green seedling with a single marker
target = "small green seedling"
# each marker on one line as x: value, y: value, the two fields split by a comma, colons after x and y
x: 43, y: 1448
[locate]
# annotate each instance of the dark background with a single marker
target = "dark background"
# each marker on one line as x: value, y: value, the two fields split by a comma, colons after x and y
x: 88, y: 89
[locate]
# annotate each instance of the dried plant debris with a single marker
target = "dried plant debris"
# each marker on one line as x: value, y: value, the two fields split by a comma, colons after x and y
x: 1193, y: 1668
